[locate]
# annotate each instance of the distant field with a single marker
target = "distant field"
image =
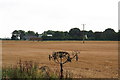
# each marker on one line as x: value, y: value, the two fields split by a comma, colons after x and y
x: 97, y: 59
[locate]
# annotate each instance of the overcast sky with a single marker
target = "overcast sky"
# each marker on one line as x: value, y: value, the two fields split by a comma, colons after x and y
x: 62, y: 15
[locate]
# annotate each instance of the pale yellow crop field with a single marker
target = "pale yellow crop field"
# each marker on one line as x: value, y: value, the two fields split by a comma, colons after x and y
x: 97, y: 59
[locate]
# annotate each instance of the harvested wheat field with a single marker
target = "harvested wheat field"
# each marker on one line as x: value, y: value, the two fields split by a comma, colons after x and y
x: 97, y: 59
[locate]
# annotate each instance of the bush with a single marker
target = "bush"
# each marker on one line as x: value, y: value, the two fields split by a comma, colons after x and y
x: 27, y: 70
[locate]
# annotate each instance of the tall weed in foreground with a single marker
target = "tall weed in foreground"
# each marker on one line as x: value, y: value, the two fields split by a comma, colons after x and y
x: 27, y: 70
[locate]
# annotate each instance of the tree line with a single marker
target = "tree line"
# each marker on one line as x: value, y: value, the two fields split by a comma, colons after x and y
x: 72, y: 34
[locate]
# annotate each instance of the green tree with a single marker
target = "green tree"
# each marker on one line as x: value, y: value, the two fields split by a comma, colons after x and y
x: 66, y: 35
x: 109, y: 34
x: 15, y: 35
x: 75, y: 33
x: 90, y: 35
x: 36, y: 34
x: 59, y: 35
x: 97, y: 35
x: 30, y: 33
x: 118, y: 35
x: 21, y: 34
x: 55, y: 35
x: 46, y: 33
x: 50, y: 32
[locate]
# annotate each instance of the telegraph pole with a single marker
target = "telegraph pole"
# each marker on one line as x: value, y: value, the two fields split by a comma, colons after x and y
x: 83, y: 33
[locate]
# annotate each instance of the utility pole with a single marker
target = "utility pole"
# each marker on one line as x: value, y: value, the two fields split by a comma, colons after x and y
x: 83, y: 33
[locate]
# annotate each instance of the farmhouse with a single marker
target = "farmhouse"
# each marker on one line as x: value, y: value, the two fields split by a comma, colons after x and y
x: 32, y: 37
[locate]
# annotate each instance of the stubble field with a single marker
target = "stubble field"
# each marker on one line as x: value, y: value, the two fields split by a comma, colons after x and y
x: 97, y: 59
